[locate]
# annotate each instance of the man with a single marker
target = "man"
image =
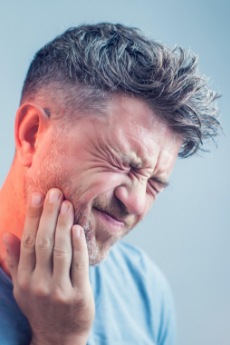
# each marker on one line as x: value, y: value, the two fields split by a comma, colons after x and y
x: 103, y: 116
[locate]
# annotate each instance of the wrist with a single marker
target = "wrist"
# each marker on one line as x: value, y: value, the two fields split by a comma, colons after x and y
x: 70, y: 340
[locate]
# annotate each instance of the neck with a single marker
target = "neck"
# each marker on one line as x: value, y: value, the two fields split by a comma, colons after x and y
x: 12, y: 209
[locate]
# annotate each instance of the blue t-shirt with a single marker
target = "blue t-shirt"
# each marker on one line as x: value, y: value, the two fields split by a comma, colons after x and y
x: 132, y: 299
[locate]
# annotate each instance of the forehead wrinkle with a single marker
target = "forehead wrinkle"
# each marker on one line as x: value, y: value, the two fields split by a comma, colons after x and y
x: 138, y: 150
x: 136, y: 158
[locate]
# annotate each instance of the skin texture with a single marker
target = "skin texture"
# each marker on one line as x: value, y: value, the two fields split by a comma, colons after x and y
x: 107, y: 170
x: 50, y: 272
x: 114, y: 158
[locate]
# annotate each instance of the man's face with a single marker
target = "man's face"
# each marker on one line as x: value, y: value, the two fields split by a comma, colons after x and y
x: 111, y: 167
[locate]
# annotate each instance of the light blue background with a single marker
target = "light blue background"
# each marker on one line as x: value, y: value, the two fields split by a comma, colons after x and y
x: 187, y: 232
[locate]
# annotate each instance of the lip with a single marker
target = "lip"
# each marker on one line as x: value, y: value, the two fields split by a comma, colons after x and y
x: 109, y: 219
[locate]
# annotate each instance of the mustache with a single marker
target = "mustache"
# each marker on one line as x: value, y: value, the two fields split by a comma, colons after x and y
x: 113, y: 207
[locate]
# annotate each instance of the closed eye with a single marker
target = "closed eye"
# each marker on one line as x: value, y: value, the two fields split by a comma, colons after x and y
x: 158, y: 184
x: 152, y: 188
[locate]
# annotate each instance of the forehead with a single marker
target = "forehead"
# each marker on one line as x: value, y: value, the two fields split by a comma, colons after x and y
x: 129, y: 129
x: 133, y: 119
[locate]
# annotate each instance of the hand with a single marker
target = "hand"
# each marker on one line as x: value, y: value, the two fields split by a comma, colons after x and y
x: 50, y: 272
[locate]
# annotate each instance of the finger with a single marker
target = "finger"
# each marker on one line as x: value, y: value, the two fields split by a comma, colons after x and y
x: 12, y: 245
x: 62, y: 253
x: 80, y: 259
x: 45, y: 235
x: 33, y: 214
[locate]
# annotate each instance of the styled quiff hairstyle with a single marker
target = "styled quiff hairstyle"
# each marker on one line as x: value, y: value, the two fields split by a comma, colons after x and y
x: 98, y: 61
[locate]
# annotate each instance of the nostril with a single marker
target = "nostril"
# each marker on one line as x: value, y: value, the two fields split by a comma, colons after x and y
x: 132, y: 198
x: 121, y: 206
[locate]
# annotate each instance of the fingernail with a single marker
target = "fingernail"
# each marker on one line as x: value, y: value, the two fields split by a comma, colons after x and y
x: 36, y: 199
x: 54, y: 195
x: 64, y: 208
x: 77, y: 231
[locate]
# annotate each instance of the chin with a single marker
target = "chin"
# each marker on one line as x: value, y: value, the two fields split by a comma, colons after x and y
x: 99, y: 238
x: 98, y: 252
x: 97, y: 258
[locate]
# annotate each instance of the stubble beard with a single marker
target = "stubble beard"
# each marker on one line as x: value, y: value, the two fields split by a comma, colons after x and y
x: 97, y: 253
x: 97, y: 250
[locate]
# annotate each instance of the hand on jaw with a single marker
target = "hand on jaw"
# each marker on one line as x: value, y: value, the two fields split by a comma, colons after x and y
x: 49, y: 270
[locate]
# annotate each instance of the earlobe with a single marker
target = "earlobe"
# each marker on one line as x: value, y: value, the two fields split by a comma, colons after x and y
x: 29, y: 123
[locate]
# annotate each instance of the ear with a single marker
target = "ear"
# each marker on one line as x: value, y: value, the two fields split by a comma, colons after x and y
x: 30, y: 122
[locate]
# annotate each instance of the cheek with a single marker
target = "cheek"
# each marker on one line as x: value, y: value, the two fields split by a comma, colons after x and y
x: 96, y: 183
x: 149, y: 203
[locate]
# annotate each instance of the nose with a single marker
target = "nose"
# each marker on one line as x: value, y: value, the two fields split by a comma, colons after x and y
x: 133, y: 196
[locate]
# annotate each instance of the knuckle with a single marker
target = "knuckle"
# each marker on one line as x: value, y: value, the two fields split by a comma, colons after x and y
x: 80, y: 300
x: 60, y: 253
x: 41, y: 290
x: 59, y: 296
x: 43, y: 242
x: 79, y: 265
x: 28, y: 241
x: 23, y: 284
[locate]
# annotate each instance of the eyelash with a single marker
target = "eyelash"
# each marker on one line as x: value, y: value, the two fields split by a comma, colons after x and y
x: 153, y: 187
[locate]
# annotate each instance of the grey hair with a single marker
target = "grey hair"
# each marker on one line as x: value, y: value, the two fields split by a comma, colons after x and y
x: 104, y: 59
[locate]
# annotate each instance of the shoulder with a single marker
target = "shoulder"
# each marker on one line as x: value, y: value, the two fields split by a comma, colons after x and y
x: 154, y: 287
x: 137, y: 261
x: 131, y: 264
x: 129, y: 277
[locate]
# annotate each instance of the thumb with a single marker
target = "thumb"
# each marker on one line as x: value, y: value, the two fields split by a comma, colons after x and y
x: 12, y: 246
